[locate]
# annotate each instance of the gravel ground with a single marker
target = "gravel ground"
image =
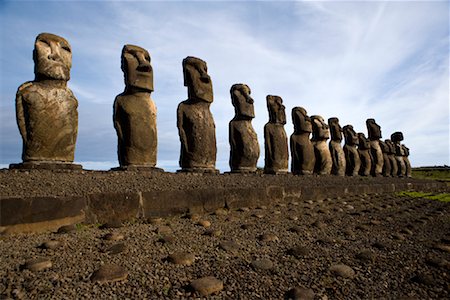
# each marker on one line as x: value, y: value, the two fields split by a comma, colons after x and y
x: 396, y: 248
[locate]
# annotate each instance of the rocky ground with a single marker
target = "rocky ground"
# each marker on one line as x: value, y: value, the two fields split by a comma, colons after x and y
x: 356, y: 247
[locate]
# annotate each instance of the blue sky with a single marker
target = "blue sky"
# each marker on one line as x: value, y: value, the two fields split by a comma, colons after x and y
x: 352, y: 60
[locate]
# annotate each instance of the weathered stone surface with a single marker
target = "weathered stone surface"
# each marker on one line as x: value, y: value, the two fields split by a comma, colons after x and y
x: 300, y: 293
x: 244, y: 147
x: 51, y: 244
x: 182, y: 258
x: 342, y: 270
x: 135, y: 112
x: 275, y: 138
x: 364, y: 155
x: 319, y: 139
x: 37, y: 264
x: 230, y: 247
x: 391, y: 156
x: 408, y: 168
x: 396, y: 138
x: 352, y: 160
x: 387, y: 167
x: 194, y: 120
x: 66, y: 228
x: 46, y: 108
x: 207, y: 285
x: 302, y: 150
x: 108, y: 207
x: 113, y: 236
x: 336, y: 150
x: 109, y: 273
x: 374, y: 135
x: 262, y: 264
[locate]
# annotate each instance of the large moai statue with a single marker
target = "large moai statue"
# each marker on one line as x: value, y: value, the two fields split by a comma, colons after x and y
x: 320, y: 135
x: 194, y: 120
x: 374, y: 135
x: 387, y: 167
x: 408, y: 171
x: 135, y: 112
x: 396, y: 138
x: 244, y: 147
x: 46, y: 108
x: 391, y: 156
x: 336, y: 150
x: 275, y: 138
x: 364, y: 154
x: 302, y: 150
x: 352, y: 160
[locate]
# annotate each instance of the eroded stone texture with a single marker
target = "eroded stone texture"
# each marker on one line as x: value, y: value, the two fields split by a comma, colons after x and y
x: 391, y: 156
x: 406, y: 160
x: 336, y: 150
x: 135, y: 112
x: 387, y: 167
x: 46, y: 108
x: 244, y: 147
x: 374, y: 132
x: 194, y: 120
x: 364, y: 154
x: 396, y: 138
x: 352, y: 160
x: 320, y: 135
x: 275, y: 138
x: 302, y: 150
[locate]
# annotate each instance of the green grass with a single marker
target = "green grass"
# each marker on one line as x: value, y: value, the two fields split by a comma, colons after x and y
x: 442, y: 174
x: 443, y: 197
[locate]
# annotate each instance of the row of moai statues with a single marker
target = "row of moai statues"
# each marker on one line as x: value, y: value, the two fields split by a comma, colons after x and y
x: 48, y: 120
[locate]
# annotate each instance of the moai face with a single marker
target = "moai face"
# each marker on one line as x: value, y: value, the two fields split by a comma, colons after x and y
x: 351, y: 138
x: 52, y: 57
x: 373, y: 129
x: 137, y: 68
x: 242, y: 102
x: 320, y: 128
x: 301, y: 121
x: 335, y: 129
x: 276, y: 109
x: 363, y: 141
x: 197, y: 80
x: 397, y: 137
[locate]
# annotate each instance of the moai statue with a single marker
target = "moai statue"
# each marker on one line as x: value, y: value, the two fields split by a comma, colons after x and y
x: 135, y: 112
x: 396, y: 138
x: 374, y: 132
x: 46, y: 108
x: 302, y: 150
x: 406, y: 160
x: 352, y: 160
x: 387, y: 168
x: 244, y: 152
x: 337, y: 153
x: 275, y: 138
x: 364, y: 154
x: 320, y: 135
x: 391, y: 156
x: 194, y: 120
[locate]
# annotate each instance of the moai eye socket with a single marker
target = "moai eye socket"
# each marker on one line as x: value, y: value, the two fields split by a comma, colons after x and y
x: 65, y: 47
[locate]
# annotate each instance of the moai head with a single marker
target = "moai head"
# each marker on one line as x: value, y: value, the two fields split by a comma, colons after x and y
x: 276, y: 109
x: 242, y: 102
x: 335, y: 129
x: 197, y: 80
x: 351, y: 138
x: 397, y: 137
x: 301, y: 121
x: 373, y: 129
x: 363, y: 142
x: 52, y: 57
x: 320, y: 128
x: 137, y: 68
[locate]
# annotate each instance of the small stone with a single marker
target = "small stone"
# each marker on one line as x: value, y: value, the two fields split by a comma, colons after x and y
x: 366, y: 255
x: 293, y: 218
x: 438, y: 262
x: 221, y: 212
x: 116, y: 249
x: 207, y: 285
x: 112, y: 224
x: 442, y: 247
x: 155, y: 221
x: 213, y: 232
x: 164, y: 230
x: 67, y: 228
x: 193, y: 217
x: 268, y: 237
x: 277, y: 212
x: 380, y: 245
x: 406, y: 231
x: 262, y: 264
x: 51, y: 244
x: 349, y: 207
x: 296, y: 229
x: 300, y: 293
x: 181, y: 258
x: 243, y: 209
x: 342, y: 270
x: 167, y: 239
x: 37, y: 264
x: 230, y: 246
x: 422, y: 278
x: 398, y: 236
x: 247, y: 226
x: 258, y: 216
x: 375, y: 222
x: 362, y: 227
x: 262, y: 207
x: 109, y: 273
x: 113, y: 236
x: 299, y: 251
x: 319, y: 224
x: 204, y: 223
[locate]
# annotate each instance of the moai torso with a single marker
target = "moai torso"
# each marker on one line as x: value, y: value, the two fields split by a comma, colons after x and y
x: 46, y: 108
x: 408, y: 168
x: 275, y: 138
x: 364, y: 155
x: 302, y: 150
x: 135, y: 112
x: 336, y: 150
x: 352, y: 160
x: 374, y: 132
x: 319, y: 139
x: 396, y: 138
x: 194, y: 120
x: 391, y: 156
x: 387, y: 167
x: 244, y: 147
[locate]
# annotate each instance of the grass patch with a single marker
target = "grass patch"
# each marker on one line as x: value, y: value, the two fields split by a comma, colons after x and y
x: 443, y: 197
x: 442, y: 174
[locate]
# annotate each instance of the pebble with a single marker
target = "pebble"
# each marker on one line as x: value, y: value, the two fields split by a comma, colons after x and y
x: 37, y: 264
x: 300, y: 293
x: 423, y: 278
x: 230, y: 246
x: 342, y: 270
x: 116, y: 248
x: 112, y: 224
x: 406, y: 231
x: 167, y: 239
x: 268, y: 237
x: 366, y: 255
x: 442, y: 247
x: 398, y: 236
x: 204, y: 223
x: 221, y: 212
x: 113, y: 236
x: 193, y: 217
x: 67, y: 228
x: 258, y: 216
x: 51, y: 244
x: 164, y: 230
x: 375, y: 222
x: 296, y: 229
x: 109, y: 273
x: 293, y: 218
x: 247, y: 226
x: 207, y: 285
x: 155, y: 221
x: 438, y: 262
x: 213, y: 232
x: 299, y: 251
x: 182, y: 258
x: 243, y: 209
x: 262, y: 264
x: 319, y: 224
x: 380, y: 245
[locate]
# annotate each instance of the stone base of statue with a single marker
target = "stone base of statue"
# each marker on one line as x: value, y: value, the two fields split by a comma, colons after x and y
x: 199, y: 170
x: 138, y: 168
x: 45, y: 165
x: 276, y: 172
